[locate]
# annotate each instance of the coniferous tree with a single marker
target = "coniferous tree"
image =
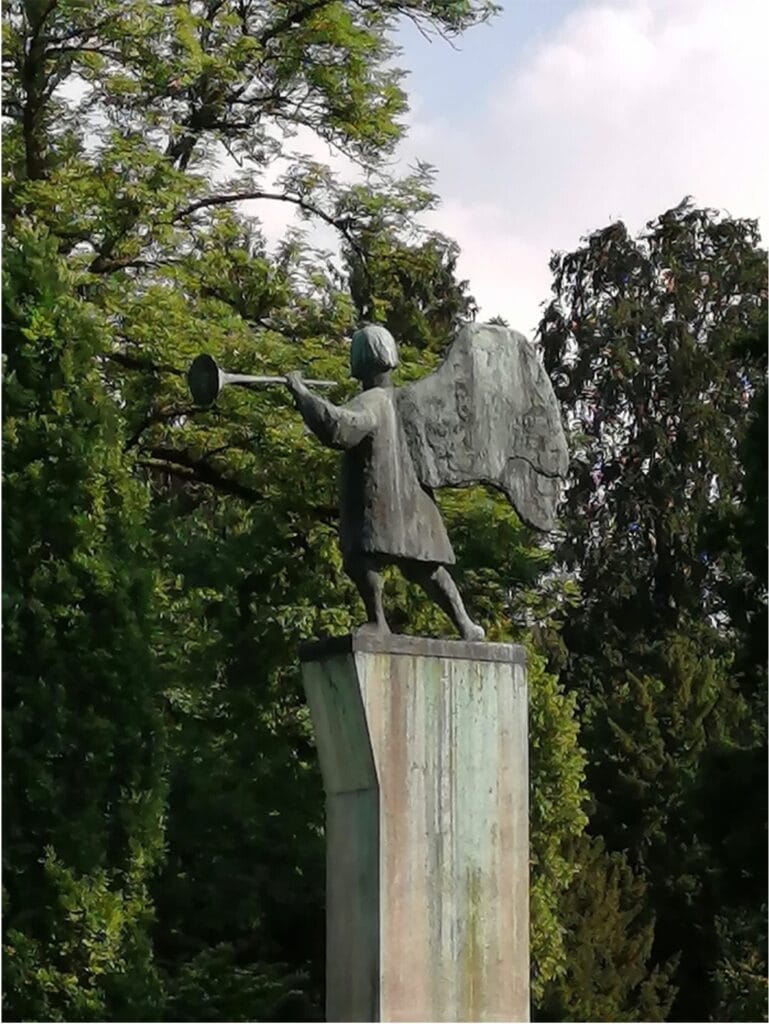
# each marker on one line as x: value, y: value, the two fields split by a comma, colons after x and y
x: 645, y: 339
x: 608, y: 945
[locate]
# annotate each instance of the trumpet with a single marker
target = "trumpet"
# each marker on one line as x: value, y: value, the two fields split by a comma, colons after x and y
x: 206, y: 379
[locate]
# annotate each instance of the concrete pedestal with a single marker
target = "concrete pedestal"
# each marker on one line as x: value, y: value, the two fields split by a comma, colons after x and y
x: 423, y: 746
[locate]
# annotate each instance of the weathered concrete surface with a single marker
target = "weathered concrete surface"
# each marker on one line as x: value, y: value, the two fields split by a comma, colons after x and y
x: 425, y: 765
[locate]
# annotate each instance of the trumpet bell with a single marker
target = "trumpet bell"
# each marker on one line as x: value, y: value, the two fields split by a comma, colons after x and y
x: 204, y: 380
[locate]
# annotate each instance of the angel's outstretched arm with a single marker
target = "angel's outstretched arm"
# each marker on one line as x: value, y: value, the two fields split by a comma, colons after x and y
x: 337, y: 426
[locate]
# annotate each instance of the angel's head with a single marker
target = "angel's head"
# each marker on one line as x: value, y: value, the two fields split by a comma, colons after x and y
x: 373, y: 353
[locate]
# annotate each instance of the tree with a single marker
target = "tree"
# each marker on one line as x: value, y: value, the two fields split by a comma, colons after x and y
x: 645, y: 339
x: 734, y: 778
x: 608, y: 945
x: 119, y: 110
x: 84, y: 781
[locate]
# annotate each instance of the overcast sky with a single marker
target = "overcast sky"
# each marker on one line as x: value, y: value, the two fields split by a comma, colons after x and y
x: 562, y: 115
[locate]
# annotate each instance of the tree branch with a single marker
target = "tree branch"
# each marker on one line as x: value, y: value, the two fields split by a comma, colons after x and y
x: 34, y: 81
x: 102, y: 51
x: 86, y: 32
x: 181, y: 464
x: 291, y: 20
x: 159, y: 416
x: 141, y: 363
x: 282, y: 197
x: 46, y: 12
x: 103, y: 265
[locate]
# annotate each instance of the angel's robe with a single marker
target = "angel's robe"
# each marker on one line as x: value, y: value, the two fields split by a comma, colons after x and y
x: 384, y: 509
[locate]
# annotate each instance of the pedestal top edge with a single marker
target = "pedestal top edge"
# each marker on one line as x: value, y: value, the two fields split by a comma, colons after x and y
x: 397, y: 643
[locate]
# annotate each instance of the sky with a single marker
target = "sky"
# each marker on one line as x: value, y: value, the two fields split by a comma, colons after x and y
x: 563, y: 115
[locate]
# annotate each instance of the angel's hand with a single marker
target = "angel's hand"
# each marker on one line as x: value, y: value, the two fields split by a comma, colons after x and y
x: 294, y: 383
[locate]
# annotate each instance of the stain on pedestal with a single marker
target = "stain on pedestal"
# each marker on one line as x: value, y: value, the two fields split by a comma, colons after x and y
x: 423, y: 746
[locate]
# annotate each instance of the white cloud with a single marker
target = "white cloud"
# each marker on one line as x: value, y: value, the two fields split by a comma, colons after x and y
x: 491, y: 246
x: 626, y: 108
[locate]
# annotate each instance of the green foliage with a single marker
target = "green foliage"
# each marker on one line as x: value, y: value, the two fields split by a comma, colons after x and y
x: 733, y: 779
x: 608, y: 945
x: 654, y: 347
x: 96, y: 959
x: 412, y: 289
x: 641, y: 340
x: 740, y: 529
x: 557, y: 774
x: 213, y: 986
x: 741, y: 968
x: 163, y: 811
x: 84, y: 764
x: 650, y: 740
x: 164, y: 853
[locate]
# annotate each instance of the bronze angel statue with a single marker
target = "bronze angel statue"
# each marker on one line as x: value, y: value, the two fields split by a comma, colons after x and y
x: 486, y: 415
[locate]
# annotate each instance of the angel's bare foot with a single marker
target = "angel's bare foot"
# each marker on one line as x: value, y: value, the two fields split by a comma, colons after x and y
x: 374, y: 628
x: 437, y: 583
x: 472, y: 631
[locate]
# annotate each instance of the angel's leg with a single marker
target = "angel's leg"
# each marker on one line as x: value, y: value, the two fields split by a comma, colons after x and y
x: 363, y: 572
x: 441, y: 588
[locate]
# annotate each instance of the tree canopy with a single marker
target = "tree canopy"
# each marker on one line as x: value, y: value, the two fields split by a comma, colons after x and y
x: 653, y: 347
x: 162, y: 561
x: 163, y: 808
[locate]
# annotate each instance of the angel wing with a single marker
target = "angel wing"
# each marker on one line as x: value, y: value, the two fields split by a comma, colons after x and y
x: 488, y: 415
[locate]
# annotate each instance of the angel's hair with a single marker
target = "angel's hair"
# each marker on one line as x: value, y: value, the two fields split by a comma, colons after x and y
x: 373, y: 350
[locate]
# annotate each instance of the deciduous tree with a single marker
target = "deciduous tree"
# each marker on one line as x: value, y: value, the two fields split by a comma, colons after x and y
x: 210, y: 533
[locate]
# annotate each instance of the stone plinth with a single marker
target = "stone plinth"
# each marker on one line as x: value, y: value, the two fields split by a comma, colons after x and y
x: 423, y: 746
